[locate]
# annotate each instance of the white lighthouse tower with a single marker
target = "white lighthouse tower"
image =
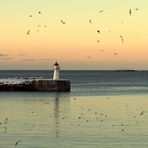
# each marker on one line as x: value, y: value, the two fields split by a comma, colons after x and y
x: 56, y: 69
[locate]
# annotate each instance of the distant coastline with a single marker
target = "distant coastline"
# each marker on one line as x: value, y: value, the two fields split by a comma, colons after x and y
x: 126, y: 70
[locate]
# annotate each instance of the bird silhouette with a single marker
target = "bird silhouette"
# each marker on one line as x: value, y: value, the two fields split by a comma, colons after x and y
x: 63, y: 22
x: 98, y: 31
x: 122, y: 38
x: 17, y: 142
x: 122, y: 130
x: 101, y: 11
x: 130, y: 12
x: 141, y: 113
x: 89, y: 57
x: 39, y: 12
x: 30, y: 15
x: 90, y: 21
x: 28, y: 32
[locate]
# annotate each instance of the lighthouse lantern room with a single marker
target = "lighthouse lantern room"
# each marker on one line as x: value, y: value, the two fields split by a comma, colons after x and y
x: 56, y: 69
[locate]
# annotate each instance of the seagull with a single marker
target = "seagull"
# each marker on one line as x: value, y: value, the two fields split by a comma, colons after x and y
x: 141, y: 113
x: 136, y: 9
x: 63, y: 22
x: 79, y: 117
x: 39, y: 12
x: 98, y: 31
x: 101, y: 11
x: 90, y: 21
x: 17, y: 142
x: 122, y: 130
x: 5, y: 122
x: 122, y: 38
x: 130, y: 12
x: 89, y: 57
x: 28, y: 32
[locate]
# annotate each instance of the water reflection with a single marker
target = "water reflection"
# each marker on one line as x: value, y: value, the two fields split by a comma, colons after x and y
x: 56, y: 115
x: 54, y: 106
x: 61, y: 106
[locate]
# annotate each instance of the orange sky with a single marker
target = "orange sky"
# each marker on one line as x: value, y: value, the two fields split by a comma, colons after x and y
x: 73, y: 44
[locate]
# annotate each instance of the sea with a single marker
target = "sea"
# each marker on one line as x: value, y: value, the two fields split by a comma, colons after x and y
x: 105, y: 109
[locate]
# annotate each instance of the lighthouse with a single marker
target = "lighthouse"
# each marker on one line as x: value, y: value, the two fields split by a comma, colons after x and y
x: 56, y: 69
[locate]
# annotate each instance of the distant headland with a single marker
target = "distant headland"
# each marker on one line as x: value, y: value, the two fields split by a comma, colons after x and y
x: 126, y: 70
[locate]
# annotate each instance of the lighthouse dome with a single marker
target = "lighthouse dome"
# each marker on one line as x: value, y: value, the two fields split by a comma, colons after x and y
x: 56, y: 64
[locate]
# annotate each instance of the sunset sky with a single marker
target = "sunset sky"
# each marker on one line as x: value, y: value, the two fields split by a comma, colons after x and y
x: 74, y: 44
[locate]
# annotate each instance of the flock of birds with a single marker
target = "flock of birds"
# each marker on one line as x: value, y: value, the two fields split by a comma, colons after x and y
x: 100, y: 116
x: 89, y: 109
x: 91, y: 115
x: 121, y: 36
x: 90, y: 21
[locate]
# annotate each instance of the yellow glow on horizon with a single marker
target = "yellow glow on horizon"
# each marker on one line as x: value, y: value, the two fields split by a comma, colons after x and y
x: 76, y: 41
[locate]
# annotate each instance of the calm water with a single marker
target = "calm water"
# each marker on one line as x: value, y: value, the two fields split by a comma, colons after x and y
x: 94, y: 83
x: 104, y: 109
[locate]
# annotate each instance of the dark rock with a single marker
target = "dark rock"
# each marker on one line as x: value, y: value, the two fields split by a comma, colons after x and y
x: 38, y: 85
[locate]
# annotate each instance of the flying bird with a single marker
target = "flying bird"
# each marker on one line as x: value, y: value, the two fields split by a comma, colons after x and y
x: 28, y: 32
x: 122, y: 38
x: 63, y: 22
x: 101, y: 11
x: 136, y: 9
x: 17, y: 142
x: 98, y: 41
x: 39, y: 12
x: 30, y: 15
x: 89, y: 57
x: 98, y: 31
x: 90, y: 21
x: 115, y: 53
x: 141, y: 113
x: 130, y: 12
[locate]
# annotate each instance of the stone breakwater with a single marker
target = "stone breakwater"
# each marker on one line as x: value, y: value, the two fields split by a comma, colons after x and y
x: 41, y: 85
